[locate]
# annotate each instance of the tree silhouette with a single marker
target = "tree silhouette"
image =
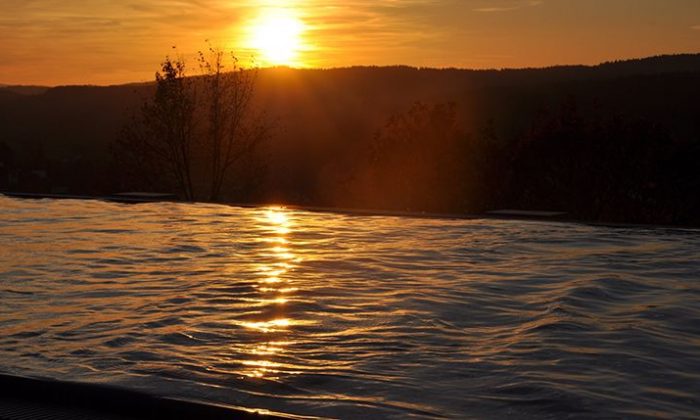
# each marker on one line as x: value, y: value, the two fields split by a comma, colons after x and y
x: 195, y: 129
x: 233, y: 129
x: 159, y: 142
x: 413, y: 159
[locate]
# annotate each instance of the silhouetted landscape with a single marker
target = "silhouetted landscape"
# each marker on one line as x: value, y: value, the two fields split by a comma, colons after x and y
x: 618, y: 142
x: 382, y: 209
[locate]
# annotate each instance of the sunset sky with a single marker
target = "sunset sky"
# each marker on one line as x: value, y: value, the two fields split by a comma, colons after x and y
x: 53, y: 42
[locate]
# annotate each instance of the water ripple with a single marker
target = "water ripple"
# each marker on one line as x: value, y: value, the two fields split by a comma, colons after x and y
x: 353, y: 316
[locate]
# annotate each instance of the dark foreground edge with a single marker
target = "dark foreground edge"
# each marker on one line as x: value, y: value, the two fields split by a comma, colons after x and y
x: 33, y: 399
x: 504, y: 214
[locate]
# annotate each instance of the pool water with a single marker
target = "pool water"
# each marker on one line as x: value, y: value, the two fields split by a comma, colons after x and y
x: 332, y: 315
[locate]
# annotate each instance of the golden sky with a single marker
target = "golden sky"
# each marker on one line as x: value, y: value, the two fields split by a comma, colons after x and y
x: 54, y: 42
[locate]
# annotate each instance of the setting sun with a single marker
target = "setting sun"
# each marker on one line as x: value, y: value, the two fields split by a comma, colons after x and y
x: 277, y: 36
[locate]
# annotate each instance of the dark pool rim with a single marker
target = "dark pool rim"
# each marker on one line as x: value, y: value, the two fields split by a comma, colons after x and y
x: 28, y: 398
x: 497, y: 214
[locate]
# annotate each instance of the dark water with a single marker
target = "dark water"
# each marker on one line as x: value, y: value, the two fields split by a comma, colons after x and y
x: 348, y: 316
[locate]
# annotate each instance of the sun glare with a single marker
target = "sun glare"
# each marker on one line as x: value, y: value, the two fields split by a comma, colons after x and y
x: 277, y: 36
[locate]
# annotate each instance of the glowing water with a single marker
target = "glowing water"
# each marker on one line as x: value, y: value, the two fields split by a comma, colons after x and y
x: 349, y: 316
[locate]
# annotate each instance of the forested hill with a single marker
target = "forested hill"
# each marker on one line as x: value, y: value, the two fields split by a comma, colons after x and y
x: 609, y: 142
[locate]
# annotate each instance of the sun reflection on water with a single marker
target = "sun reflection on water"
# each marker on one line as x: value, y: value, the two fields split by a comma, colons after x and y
x: 268, y: 326
x: 275, y: 293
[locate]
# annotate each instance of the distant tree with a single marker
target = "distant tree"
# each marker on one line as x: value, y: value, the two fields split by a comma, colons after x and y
x: 234, y: 130
x: 6, y: 164
x: 161, y: 139
x: 414, y: 159
x: 6, y: 154
x: 484, y: 168
x: 195, y: 129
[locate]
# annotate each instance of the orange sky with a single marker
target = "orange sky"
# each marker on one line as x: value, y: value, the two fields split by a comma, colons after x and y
x: 54, y: 42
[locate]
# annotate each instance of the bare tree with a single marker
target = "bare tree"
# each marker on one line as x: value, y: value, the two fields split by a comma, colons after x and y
x: 197, y: 126
x: 234, y: 129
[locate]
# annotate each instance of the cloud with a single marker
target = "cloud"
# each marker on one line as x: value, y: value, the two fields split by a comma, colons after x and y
x: 108, y: 38
x: 507, y: 6
x: 495, y: 9
x: 107, y: 41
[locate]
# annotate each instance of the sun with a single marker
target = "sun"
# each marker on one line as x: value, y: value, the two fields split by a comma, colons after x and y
x: 277, y: 36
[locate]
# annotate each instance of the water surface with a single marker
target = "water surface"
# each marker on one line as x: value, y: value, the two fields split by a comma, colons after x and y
x: 330, y: 315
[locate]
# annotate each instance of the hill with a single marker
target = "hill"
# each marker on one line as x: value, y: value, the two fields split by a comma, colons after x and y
x: 327, y: 122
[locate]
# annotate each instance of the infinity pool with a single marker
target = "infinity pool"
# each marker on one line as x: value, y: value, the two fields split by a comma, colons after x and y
x: 329, y: 315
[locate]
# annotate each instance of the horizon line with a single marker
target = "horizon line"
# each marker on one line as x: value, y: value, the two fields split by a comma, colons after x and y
x: 372, y: 66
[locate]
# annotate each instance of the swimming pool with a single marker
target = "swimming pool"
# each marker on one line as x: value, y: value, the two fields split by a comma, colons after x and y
x: 332, y: 315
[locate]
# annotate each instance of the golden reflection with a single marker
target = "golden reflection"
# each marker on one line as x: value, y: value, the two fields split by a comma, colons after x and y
x: 282, y: 290
x: 261, y: 366
x: 277, y: 35
x: 275, y: 295
x: 277, y: 216
x: 283, y: 253
x: 268, y: 326
x: 267, y: 349
x: 277, y: 301
x: 275, y: 240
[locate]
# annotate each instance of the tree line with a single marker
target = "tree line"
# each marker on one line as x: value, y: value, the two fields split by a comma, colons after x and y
x: 622, y: 148
x: 591, y: 165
